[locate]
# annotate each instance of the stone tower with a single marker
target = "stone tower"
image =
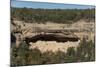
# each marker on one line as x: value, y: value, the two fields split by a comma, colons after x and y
x: 18, y: 39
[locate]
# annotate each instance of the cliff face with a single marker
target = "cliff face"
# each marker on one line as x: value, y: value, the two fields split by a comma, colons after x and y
x: 33, y: 32
x: 58, y: 37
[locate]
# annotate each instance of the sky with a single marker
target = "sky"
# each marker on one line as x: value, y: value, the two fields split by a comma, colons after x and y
x: 45, y: 5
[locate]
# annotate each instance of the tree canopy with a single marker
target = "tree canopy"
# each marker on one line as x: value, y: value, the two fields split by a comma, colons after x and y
x: 31, y: 15
x: 24, y: 56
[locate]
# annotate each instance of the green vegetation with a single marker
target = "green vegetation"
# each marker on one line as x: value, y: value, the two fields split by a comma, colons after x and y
x: 23, y: 56
x: 53, y: 15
